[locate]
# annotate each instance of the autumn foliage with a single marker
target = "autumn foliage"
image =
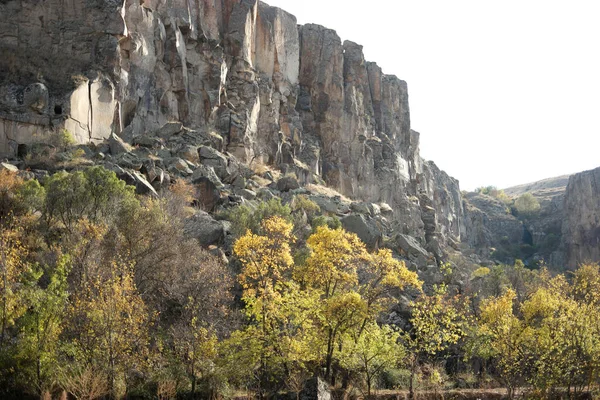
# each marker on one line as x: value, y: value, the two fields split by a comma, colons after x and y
x: 102, y: 296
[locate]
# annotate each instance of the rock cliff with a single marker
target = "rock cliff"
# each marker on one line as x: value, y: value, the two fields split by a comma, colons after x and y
x: 239, y: 72
x: 202, y: 89
x: 581, y: 227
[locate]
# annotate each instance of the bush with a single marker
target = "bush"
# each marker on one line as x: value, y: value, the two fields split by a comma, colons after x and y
x: 62, y: 140
x: 18, y: 196
x: 93, y: 193
x: 527, y: 206
x: 244, y: 218
x: 394, y: 379
x: 330, y: 222
x: 480, y: 272
x: 301, y: 203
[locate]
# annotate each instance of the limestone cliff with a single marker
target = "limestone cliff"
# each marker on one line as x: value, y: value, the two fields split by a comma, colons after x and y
x: 239, y: 71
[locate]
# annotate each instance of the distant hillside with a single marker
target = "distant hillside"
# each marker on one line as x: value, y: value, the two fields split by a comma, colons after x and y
x: 543, y: 188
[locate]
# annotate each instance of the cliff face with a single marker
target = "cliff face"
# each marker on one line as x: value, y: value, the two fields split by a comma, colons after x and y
x: 293, y: 96
x: 581, y: 227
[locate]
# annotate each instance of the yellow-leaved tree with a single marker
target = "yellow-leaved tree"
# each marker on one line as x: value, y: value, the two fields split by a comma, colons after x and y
x: 502, y: 337
x: 109, y: 325
x: 266, y: 267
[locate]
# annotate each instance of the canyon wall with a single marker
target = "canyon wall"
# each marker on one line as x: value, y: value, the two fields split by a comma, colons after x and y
x: 293, y: 96
x: 581, y: 227
x: 264, y: 90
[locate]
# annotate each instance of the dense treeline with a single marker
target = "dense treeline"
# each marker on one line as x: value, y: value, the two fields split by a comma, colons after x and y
x: 102, y: 296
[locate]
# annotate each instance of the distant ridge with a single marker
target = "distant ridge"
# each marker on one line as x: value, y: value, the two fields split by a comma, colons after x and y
x: 545, y: 185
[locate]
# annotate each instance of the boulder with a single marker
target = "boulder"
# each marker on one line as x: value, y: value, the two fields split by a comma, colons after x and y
x: 365, y: 229
x: 287, y: 183
x: 208, y: 193
x: 169, y: 129
x: 204, y: 171
x: 189, y: 153
x: 411, y: 246
x: 327, y: 204
x: 315, y: 389
x: 265, y: 194
x: 146, y: 141
x: 8, y: 167
x: 179, y: 165
x: 386, y: 210
x: 117, y: 145
x: 246, y: 194
x: 204, y: 228
x: 215, y: 159
x: 142, y: 186
x: 129, y: 160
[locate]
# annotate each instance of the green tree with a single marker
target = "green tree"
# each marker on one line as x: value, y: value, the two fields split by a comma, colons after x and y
x: 370, y: 354
x: 41, y: 327
x: 527, y: 205
x: 94, y: 193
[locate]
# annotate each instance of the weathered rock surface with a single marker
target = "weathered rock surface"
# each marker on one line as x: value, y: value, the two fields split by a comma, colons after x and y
x: 315, y: 389
x: 581, y: 228
x: 488, y: 224
x: 204, y: 228
x: 237, y: 80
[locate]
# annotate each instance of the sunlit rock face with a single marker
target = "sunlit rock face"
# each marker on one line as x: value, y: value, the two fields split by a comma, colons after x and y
x: 294, y: 96
x: 581, y: 227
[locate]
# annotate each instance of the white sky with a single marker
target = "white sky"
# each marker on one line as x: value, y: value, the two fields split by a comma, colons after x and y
x: 503, y: 92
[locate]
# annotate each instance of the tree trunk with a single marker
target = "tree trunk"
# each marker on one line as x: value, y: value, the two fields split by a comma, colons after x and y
x: 329, y: 358
x: 411, y: 389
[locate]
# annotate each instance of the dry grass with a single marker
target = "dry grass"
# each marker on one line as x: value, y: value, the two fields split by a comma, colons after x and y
x: 459, y: 394
x: 326, y: 191
x: 260, y: 168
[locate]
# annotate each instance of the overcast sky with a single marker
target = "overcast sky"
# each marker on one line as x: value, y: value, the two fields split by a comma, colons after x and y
x: 503, y: 92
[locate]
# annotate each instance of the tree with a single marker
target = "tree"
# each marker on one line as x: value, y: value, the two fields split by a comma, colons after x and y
x: 266, y: 262
x: 527, y: 205
x: 16, y: 279
x: 108, y: 323
x: 94, y: 193
x: 17, y: 196
x: 381, y: 277
x: 42, y: 325
x: 501, y: 336
x: 371, y: 353
x: 202, y: 292
x: 244, y: 218
x: 437, y: 322
x: 332, y: 268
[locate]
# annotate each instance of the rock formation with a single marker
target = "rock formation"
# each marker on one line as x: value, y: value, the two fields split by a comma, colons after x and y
x: 239, y: 71
x: 581, y: 227
x: 202, y: 88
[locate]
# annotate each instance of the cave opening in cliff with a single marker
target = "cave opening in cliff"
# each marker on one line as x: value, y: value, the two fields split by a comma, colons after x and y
x: 22, y: 150
x: 527, y: 236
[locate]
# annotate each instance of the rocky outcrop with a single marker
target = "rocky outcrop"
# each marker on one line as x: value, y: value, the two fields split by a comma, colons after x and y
x: 238, y: 77
x: 581, y: 227
x: 489, y: 225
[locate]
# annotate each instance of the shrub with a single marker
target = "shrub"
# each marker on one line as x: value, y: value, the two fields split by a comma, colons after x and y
x: 62, y: 139
x: 394, y: 379
x: 244, y: 218
x: 330, y: 222
x: 93, y: 193
x: 18, y: 196
x: 303, y: 203
x: 480, y: 272
x: 527, y: 206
